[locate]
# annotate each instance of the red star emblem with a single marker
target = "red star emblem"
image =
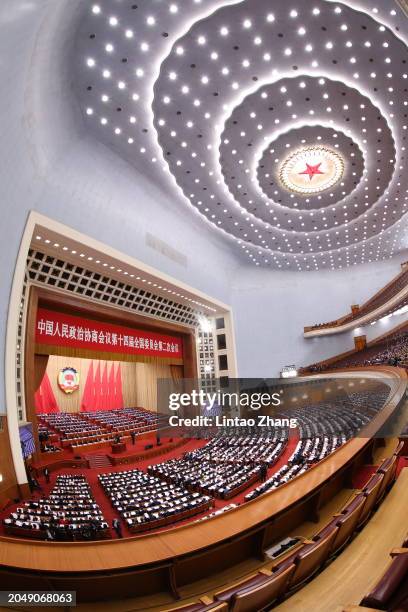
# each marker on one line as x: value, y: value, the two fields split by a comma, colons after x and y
x: 312, y: 170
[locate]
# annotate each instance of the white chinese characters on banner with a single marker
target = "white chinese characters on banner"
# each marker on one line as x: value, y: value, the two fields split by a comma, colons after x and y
x: 101, y: 338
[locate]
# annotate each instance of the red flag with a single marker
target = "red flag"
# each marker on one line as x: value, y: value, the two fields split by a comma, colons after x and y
x: 97, y: 389
x: 118, y: 389
x: 87, y: 397
x: 44, y: 398
x: 38, y: 401
x: 111, y: 388
x: 104, y: 389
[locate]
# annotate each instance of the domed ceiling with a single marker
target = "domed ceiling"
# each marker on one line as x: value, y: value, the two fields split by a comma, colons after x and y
x: 283, y: 124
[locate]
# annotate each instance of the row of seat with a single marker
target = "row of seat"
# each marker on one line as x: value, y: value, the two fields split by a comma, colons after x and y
x: 381, y: 298
x: 287, y: 574
x: 392, y: 350
x: 145, y: 502
x: 70, y: 512
x: 218, y: 479
x: 242, y: 449
x: 78, y: 429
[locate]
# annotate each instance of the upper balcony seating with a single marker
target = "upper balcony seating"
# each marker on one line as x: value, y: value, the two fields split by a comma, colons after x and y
x: 380, y: 299
x: 391, y: 350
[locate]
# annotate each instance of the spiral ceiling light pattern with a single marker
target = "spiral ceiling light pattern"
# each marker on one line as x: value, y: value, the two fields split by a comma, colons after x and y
x: 283, y: 124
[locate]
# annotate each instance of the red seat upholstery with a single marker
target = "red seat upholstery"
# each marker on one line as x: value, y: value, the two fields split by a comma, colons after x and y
x: 226, y: 594
x: 311, y: 558
x: 399, y: 448
x: 216, y: 606
x: 327, y: 529
x: 347, y: 523
x: 391, y: 591
x: 371, y: 491
x: 388, y: 469
x: 258, y: 597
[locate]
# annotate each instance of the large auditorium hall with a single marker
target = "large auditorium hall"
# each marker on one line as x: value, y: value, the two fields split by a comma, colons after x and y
x: 204, y: 305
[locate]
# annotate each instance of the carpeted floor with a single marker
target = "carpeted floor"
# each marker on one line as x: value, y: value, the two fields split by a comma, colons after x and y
x: 92, y: 476
x: 402, y: 463
x: 363, y: 475
x: 103, y: 501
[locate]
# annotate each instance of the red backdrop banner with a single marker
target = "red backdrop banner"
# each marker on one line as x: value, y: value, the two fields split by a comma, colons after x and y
x: 58, y: 329
x: 44, y: 398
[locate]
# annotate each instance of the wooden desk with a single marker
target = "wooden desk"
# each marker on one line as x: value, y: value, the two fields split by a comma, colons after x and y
x: 118, y: 447
x: 362, y: 563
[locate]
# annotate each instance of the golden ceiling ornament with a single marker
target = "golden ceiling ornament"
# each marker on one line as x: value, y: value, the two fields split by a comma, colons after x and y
x: 311, y: 170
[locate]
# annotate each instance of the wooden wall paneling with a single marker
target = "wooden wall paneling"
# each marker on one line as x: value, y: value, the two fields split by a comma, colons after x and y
x: 40, y: 367
x: 8, y: 486
x: 68, y: 402
x: 190, y: 355
x: 147, y: 376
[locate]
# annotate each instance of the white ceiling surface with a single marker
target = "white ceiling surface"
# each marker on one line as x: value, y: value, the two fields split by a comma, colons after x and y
x: 207, y: 98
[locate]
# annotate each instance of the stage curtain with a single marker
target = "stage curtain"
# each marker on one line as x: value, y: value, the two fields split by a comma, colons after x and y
x: 87, y: 397
x: 40, y: 368
x: 148, y: 376
x: 38, y: 402
x: 97, y: 388
x: 176, y: 372
x: 111, y: 388
x: 118, y: 389
x: 44, y: 398
x: 105, y: 389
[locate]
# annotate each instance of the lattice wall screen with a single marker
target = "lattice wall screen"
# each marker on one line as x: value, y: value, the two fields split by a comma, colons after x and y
x: 60, y: 274
x: 206, y: 360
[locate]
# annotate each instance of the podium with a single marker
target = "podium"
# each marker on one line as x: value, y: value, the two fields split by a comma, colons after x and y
x: 118, y: 447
